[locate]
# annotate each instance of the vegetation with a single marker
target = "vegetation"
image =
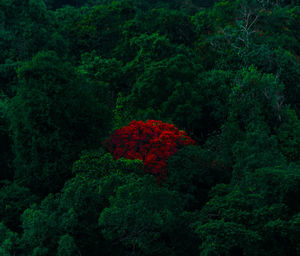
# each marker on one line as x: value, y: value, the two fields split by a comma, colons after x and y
x: 149, y: 127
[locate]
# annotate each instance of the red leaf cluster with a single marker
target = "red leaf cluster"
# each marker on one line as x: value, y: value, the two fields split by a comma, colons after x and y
x: 152, y: 142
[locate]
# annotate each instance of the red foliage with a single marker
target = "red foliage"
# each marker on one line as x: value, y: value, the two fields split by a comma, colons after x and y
x: 153, y: 142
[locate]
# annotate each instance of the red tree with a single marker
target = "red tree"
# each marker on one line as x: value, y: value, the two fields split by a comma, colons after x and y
x: 152, y: 142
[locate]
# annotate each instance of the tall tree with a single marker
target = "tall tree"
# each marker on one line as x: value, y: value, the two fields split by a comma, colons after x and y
x: 53, y: 117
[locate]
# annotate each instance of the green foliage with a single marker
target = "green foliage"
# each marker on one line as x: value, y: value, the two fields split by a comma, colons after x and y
x: 64, y: 41
x: 294, y: 227
x: 256, y: 97
x: 193, y: 171
x: 251, y: 218
x: 257, y: 150
x: 289, y: 135
x: 200, y: 106
x: 141, y: 50
x: 97, y: 164
x: 53, y: 117
x: 225, y: 238
x: 176, y: 25
x: 101, y: 69
x: 121, y: 113
x: 8, y: 241
x: 66, y: 223
x: 26, y: 32
x: 289, y: 73
x: 67, y: 246
x: 25, y: 28
x: 74, y: 71
x: 14, y: 199
x: 168, y: 73
x: 40, y: 251
x: 6, y: 155
x: 100, y: 28
x: 140, y: 215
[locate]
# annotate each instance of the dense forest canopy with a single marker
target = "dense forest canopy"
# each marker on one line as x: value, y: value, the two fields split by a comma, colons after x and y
x: 149, y: 127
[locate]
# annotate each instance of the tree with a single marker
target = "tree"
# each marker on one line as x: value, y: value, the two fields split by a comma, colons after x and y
x: 145, y: 218
x: 14, y: 199
x: 289, y: 135
x: 201, y: 106
x: 100, y: 28
x: 152, y: 142
x: 193, y: 171
x: 67, y: 246
x: 53, y: 117
x: 256, y: 150
x: 225, y: 238
x: 256, y: 98
x: 252, y: 217
x: 6, y: 155
x: 67, y: 221
x: 21, y: 36
x: 174, y: 24
x: 108, y: 70
x: 177, y: 71
x: 9, y: 241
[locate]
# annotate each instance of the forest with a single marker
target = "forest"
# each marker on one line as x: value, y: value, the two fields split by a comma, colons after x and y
x: 149, y: 127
